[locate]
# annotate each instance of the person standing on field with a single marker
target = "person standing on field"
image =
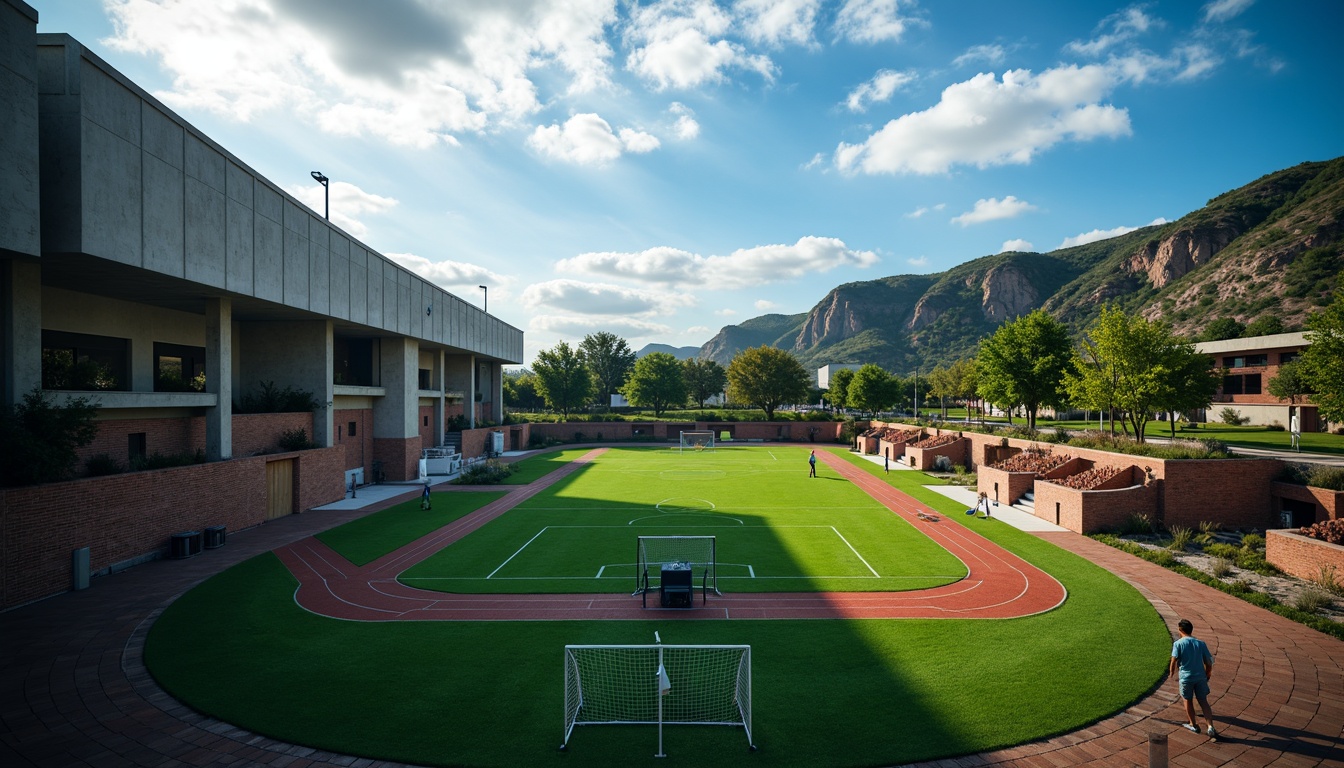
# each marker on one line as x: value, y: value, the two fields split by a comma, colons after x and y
x: 1192, y: 665
x: 812, y: 464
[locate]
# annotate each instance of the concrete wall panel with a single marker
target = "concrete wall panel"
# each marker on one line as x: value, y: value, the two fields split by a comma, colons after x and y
x: 340, y: 287
x: 19, y: 168
x: 109, y: 104
x: 238, y: 247
x: 373, y: 278
x: 268, y: 259
x: 163, y: 218
x: 269, y: 203
x: 359, y: 291
x: 110, y: 202
x: 319, y: 279
x: 204, y: 163
x: 238, y: 183
x: 295, y: 268
x: 206, y: 260
x: 163, y: 138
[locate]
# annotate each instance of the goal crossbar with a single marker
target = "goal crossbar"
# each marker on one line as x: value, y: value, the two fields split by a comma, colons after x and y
x: 658, y: 685
x: 696, y: 440
x: 652, y: 553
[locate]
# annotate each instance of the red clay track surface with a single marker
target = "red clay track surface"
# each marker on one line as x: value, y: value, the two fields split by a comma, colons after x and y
x: 1000, y: 585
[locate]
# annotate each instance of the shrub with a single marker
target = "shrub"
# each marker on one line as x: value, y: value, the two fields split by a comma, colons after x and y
x: 489, y: 472
x: 271, y: 399
x: 1137, y: 524
x: 1275, y: 427
x: 1208, y: 532
x: 1222, y: 568
x: 41, y: 438
x: 1233, y: 417
x: 158, y: 460
x: 1160, y: 556
x: 102, y: 465
x: 295, y: 440
x: 1328, y: 578
x: 1253, y: 541
x: 1327, y: 477
x: 1222, y: 550
x: 1180, y: 538
x: 1331, y: 531
x: 1312, y: 600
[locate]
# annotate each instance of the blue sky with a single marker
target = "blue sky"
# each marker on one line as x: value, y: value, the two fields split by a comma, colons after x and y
x: 661, y: 169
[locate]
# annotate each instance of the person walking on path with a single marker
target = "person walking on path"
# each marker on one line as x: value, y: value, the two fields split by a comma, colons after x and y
x: 982, y: 504
x: 1192, y: 665
x: 886, y: 464
x: 812, y: 464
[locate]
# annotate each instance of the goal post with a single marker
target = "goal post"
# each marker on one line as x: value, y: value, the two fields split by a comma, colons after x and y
x: 658, y: 685
x: 654, y: 552
x: 696, y: 440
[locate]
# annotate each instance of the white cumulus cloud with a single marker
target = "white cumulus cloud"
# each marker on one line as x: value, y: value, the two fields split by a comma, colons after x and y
x: 575, y: 326
x: 456, y: 277
x: 874, y: 21
x: 603, y: 299
x: 586, y: 139
x: 348, y: 204
x: 1222, y: 10
x: 765, y: 305
x: 775, y: 22
x: 985, y: 121
x: 1104, y: 234
x: 740, y: 269
x: 686, y: 127
x: 1123, y: 27
x: 878, y: 89
x: 991, y: 54
x: 1015, y: 245
x: 682, y: 44
x: 993, y: 209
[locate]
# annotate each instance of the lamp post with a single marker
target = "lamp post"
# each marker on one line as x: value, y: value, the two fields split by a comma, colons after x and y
x: 486, y: 307
x: 326, y: 193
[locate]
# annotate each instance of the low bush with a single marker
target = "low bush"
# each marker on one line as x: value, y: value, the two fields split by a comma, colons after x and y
x: 1312, y: 600
x: 1253, y: 541
x: 1208, y: 532
x: 295, y: 440
x: 489, y: 472
x: 1137, y: 524
x: 158, y: 460
x: 1233, y: 417
x: 102, y: 465
x: 1227, y: 551
x: 1328, y: 578
x: 1180, y: 538
x: 1222, y: 568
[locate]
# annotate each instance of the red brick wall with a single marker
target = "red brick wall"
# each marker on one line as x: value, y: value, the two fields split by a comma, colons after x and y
x: 358, y: 449
x: 1093, y: 511
x: 121, y: 517
x: 255, y: 433
x: 429, y: 436
x: 802, y: 431
x: 1233, y: 492
x: 1329, y: 504
x: 1011, y: 486
x: 1302, y: 556
x: 958, y: 452
x: 400, y: 457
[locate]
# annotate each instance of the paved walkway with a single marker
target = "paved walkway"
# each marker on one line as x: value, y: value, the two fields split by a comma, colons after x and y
x: 74, y: 691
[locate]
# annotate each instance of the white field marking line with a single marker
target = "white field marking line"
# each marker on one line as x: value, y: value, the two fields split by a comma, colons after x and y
x: 772, y: 455
x: 664, y: 515
x: 515, y: 554
x: 712, y: 506
x: 599, y: 572
x: 855, y: 551
x: 330, y: 592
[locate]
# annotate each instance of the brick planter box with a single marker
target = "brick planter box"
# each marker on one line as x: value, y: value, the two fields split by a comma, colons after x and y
x: 1093, y: 511
x: 956, y: 451
x: 1302, y: 556
x: 1329, y: 504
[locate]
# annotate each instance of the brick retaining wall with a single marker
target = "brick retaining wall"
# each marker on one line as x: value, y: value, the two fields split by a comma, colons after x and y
x: 1329, y: 504
x: 1302, y: 556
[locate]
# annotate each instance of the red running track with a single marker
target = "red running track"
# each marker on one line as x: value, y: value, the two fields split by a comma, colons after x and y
x: 999, y: 585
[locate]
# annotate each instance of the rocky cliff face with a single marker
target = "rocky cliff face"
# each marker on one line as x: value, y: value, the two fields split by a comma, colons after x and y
x: 832, y: 320
x: 1180, y: 253
x: 1006, y: 293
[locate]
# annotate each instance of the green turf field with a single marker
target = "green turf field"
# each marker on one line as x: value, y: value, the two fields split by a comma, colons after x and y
x: 775, y: 529
x: 833, y: 693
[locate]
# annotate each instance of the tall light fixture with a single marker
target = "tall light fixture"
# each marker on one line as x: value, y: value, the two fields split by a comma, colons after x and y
x: 486, y: 307
x: 326, y: 194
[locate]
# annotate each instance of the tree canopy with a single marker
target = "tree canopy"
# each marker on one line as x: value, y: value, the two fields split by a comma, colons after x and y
x: 1223, y: 328
x: 520, y: 391
x: 1323, y: 359
x: 42, y: 438
x: 1023, y: 363
x: 704, y: 379
x: 767, y: 378
x: 609, y: 360
x: 872, y: 389
x: 656, y: 383
x: 562, y: 378
x: 838, y: 393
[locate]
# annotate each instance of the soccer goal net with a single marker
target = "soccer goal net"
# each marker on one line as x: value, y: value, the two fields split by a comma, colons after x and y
x: 654, y: 554
x: 697, y: 441
x: 658, y: 685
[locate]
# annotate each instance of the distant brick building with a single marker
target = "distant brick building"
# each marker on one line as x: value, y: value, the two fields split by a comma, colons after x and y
x: 1249, y: 365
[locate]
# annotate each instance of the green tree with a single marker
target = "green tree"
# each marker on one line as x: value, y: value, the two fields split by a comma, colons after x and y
x: 656, y: 383
x: 963, y: 373
x: 563, y: 379
x: 610, y: 360
x: 1223, y: 328
x: 1290, y: 382
x: 943, y: 384
x: 1323, y: 359
x: 767, y: 378
x: 838, y: 393
x: 1191, y: 382
x: 1023, y: 363
x: 704, y: 379
x: 872, y: 390
x: 1264, y: 325
x: 42, y: 439
x: 520, y: 391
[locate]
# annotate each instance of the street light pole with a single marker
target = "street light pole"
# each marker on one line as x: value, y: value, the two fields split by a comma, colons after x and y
x: 486, y: 307
x: 326, y: 193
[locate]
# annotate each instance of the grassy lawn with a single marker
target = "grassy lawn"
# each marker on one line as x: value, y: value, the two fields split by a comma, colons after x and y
x: 776, y: 529
x: 824, y: 692
x: 370, y: 537
x: 537, y: 467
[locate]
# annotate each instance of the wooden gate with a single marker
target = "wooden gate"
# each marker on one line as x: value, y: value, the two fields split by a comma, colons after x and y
x: 279, y: 488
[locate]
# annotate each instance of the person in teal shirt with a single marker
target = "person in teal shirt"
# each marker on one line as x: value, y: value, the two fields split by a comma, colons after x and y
x: 1192, y: 665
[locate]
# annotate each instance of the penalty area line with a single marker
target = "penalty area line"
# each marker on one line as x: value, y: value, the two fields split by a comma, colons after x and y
x: 520, y: 549
x: 856, y: 552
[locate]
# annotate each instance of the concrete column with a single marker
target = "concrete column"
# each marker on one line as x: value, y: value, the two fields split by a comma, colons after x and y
x: 297, y: 354
x: 460, y: 376
x: 397, y: 413
x: 438, y: 379
x: 219, y: 378
x: 21, y: 323
x: 495, y: 393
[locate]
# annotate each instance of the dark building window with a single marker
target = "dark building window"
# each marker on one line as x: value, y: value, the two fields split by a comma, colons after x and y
x: 135, y: 446
x: 350, y: 428
x: 1248, y: 384
x: 1287, y: 357
x: 425, y: 421
x: 1245, y: 361
x: 425, y: 382
x: 355, y: 362
x: 178, y: 368
x: 83, y: 362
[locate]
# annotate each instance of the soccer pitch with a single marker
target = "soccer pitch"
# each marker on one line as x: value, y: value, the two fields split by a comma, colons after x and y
x: 775, y: 529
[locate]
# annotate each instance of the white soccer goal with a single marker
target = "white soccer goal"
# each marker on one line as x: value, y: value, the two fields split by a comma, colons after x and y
x: 653, y: 553
x: 697, y: 441
x: 658, y: 685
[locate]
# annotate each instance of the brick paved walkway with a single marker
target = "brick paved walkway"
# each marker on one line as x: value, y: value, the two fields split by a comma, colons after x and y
x: 74, y: 692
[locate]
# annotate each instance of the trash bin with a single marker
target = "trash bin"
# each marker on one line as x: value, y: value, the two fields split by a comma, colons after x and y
x: 215, y: 536
x: 674, y: 586
x: 184, y: 545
